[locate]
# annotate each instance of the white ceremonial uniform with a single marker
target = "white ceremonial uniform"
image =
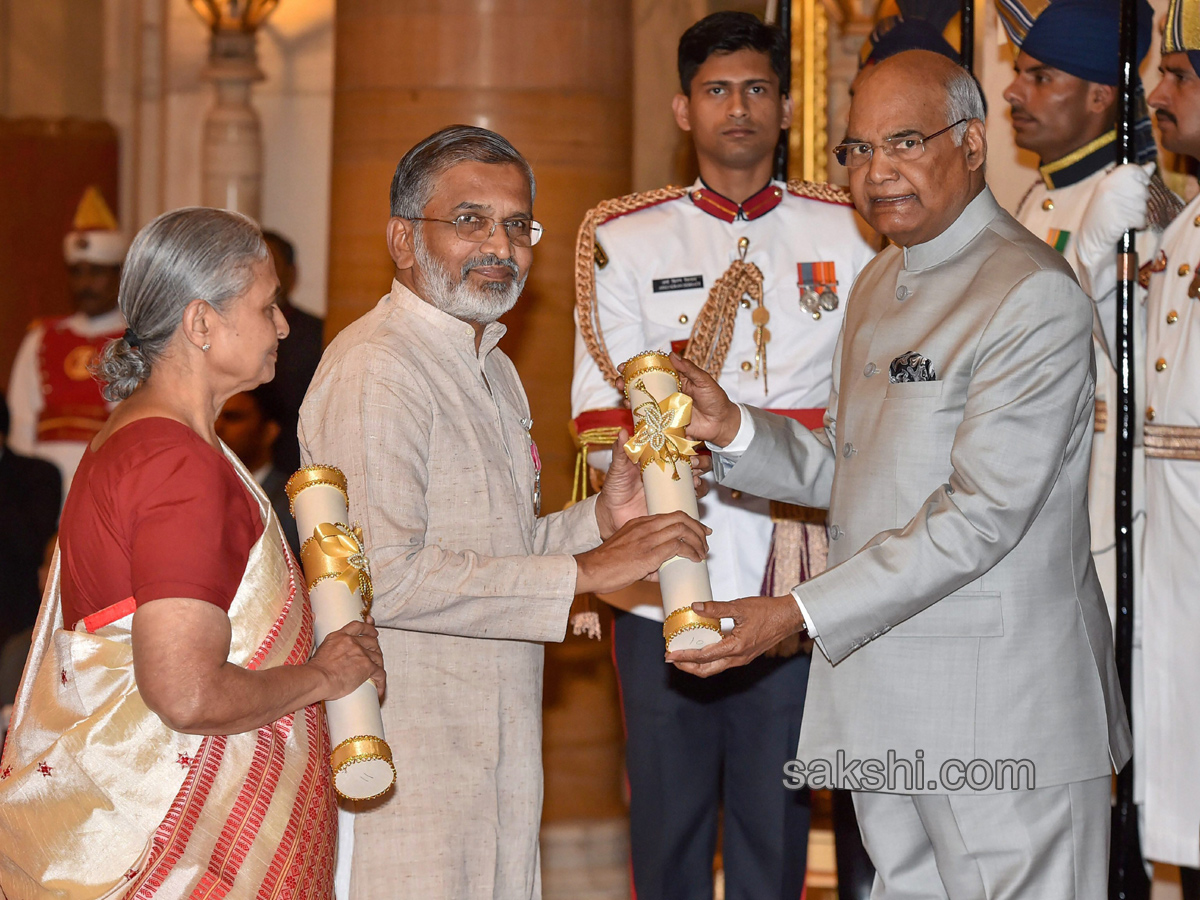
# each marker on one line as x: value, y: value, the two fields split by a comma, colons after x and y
x: 1054, y: 214
x: 27, y: 394
x: 1169, y: 766
x: 662, y: 261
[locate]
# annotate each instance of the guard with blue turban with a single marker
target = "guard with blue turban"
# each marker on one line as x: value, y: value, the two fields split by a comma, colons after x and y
x: 1167, y: 736
x: 1064, y: 109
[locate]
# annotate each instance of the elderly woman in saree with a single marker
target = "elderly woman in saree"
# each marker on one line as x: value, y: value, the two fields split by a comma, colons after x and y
x: 168, y: 739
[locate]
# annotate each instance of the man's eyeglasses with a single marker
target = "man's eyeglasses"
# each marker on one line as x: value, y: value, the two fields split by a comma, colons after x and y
x: 904, y: 149
x: 477, y: 229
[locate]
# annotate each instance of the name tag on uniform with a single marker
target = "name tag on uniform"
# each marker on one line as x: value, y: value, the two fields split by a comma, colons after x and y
x: 678, y: 283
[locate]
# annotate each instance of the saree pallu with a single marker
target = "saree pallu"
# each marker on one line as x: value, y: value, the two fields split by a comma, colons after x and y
x: 100, y: 799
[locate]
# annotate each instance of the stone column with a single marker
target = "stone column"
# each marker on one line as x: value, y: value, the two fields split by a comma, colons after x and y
x: 553, y: 76
x: 231, y: 167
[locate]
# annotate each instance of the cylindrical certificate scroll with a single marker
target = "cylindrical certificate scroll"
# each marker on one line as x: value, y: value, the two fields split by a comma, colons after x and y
x: 339, y: 588
x: 660, y: 448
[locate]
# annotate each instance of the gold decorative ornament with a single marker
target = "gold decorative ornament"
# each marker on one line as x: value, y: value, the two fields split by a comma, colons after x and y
x: 336, y: 551
x: 1172, y: 441
x: 660, y: 437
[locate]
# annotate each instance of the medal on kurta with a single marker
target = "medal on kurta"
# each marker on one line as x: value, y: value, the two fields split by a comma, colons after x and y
x: 527, y: 424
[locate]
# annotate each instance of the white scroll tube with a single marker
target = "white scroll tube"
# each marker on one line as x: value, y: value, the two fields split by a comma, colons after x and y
x: 338, y: 577
x: 659, y: 447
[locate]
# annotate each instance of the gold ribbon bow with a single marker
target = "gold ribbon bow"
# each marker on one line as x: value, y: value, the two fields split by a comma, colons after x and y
x: 336, y: 551
x: 660, y: 435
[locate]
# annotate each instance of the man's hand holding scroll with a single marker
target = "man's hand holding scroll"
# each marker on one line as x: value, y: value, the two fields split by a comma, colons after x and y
x: 635, y: 544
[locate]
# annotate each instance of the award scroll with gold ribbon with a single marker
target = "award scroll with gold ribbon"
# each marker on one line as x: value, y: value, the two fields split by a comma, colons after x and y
x: 663, y: 452
x: 339, y: 588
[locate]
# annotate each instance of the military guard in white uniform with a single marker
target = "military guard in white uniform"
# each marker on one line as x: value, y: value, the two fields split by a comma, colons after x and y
x: 1168, y: 752
x: 748, y: 276
x: 55, y: 403
x: 1063, y: 100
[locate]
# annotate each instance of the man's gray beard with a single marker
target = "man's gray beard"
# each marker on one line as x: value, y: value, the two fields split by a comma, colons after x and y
x: 461, y: 299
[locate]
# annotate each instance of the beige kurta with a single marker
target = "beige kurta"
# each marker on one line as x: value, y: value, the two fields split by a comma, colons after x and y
x: 434, y: 440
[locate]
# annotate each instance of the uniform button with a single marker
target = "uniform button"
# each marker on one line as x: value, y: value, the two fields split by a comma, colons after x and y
x: 697, y: 195
x: 747, y: 366
x: 902, y: 292
x: 1184, y: 269
x: 1047, y: 204
x: 745, y: 303
x: 870, y: 369
x: 1149, y: 413
x: 683, y: 319
x: 1172, y: 317
x: 848, y: 450
x: 835, y: 532
x: 1160, y: 365
x: 1196, y: 221
x: 735, y: 495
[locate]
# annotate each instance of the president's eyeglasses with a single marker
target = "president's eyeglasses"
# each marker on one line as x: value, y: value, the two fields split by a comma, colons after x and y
x: 905, y: 149
x: 477, y: 229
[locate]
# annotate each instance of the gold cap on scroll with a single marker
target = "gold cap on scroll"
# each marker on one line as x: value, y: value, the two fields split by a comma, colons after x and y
x: 649, y: 361
x: 311, y: 475
x: 687, y: 619
x: 361, y: 748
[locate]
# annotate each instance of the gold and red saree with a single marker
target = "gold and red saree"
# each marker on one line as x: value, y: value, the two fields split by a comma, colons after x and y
x: 100, y: 799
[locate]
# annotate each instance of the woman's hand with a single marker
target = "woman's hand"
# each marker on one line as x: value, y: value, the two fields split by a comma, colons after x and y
x: 350, y: 656
x: 180, y: 663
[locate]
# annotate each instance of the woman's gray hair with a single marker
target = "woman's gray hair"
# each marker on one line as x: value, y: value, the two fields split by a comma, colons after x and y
x: 964, y: 100
x: 418, y: 171
x: 183, y: 255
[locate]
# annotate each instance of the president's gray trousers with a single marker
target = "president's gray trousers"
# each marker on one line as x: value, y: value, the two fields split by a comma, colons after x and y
x: 1050, y: 843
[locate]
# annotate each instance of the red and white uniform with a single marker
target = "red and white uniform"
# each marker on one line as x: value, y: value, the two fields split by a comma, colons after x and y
x: 54, y: 402
x: 660, y: 263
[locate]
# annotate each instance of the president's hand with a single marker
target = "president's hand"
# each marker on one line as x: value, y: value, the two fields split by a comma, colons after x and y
x: 759, y: 623
x: 715, y: 418
x: 636, y: 551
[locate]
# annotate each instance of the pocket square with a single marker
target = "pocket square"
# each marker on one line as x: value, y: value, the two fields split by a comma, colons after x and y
x: 911, y: 366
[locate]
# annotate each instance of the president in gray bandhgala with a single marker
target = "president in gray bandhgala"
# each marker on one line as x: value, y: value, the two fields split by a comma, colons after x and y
x: 961, y: 618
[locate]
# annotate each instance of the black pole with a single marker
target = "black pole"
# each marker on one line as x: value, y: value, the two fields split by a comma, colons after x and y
x: 781, y: 149
x: 1126, y: 872
x: 966, y: 35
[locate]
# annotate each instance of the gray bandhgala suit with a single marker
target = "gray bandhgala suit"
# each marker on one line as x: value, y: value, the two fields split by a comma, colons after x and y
x: 961, y: 618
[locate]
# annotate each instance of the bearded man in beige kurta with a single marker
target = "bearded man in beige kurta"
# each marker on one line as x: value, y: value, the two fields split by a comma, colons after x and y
x: 430, y: 423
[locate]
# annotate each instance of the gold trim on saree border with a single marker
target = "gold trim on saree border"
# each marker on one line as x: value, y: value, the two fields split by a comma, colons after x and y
x: 687, y: 620
x: 649, y: 361
x: 312, y: 475
x: 361, y: 748
x: 1172, y: 442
